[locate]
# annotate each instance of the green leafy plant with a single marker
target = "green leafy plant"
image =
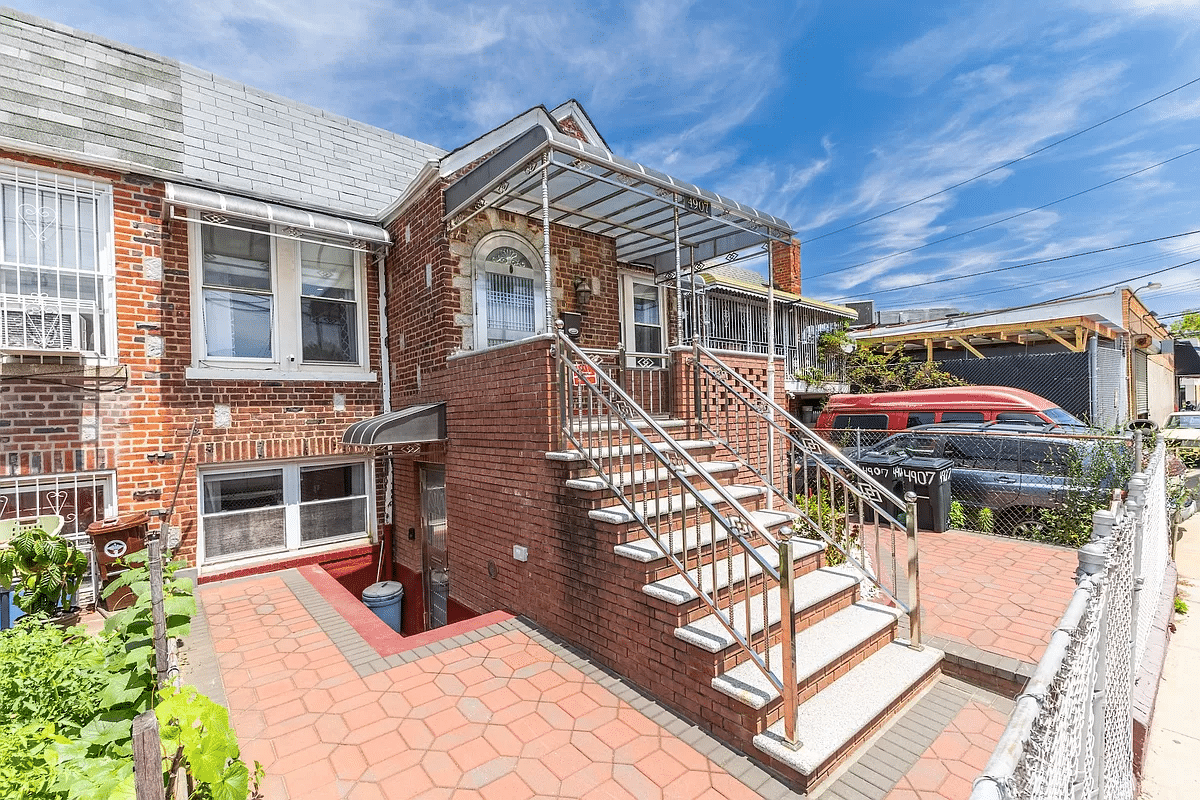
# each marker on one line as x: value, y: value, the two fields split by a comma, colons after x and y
x: 870, y: 370
x: 43, y: 570
x: 1107, y: 464
x: 196, y: 734
x: 958, y: 515
x: 835, y: 343
x: 1180, y: 606
x: 831, y: 518
x: 985, y: 520
x: 68, y: 700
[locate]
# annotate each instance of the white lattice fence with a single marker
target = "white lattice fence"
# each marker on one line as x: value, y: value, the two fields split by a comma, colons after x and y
x: 1071, y: 733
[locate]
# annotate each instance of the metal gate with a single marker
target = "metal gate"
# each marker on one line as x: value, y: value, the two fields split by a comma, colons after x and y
x: 435, y: 564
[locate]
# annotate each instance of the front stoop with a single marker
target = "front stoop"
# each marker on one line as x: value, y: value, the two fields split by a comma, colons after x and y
x: 852, y: 675
x: 849, y: 711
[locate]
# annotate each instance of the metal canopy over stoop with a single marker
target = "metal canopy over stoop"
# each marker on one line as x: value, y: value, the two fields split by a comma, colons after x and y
x: 413, y: 425
x: 588, y: 188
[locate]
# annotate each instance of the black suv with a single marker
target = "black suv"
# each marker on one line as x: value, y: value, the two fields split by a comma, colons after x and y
x: 1015, y: 470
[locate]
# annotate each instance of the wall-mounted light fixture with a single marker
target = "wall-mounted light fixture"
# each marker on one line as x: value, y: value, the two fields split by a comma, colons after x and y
x: 583, y: 291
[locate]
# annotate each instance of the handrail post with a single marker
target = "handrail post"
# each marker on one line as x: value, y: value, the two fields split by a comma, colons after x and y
x: 696, y: 386
x: 914, y: 572
x: 787, y: 622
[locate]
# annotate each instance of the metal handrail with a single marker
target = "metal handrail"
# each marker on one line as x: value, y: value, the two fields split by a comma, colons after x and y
x: 576, y: 369
x: 868, y: 491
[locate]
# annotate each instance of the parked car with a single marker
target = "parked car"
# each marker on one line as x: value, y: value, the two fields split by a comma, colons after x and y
x: 1181, y: 432
x: 1016, y: 471
x: 849, y: 419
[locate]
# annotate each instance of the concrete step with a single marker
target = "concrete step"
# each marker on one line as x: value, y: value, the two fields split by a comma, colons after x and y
x: 646, y: 551
x: 603, y: 425
x: 676, y: 590
x: 817, y: 647
x: 835, y: 716
x: 644, y: 476
x: 808, y: 592
x: 620, y: 515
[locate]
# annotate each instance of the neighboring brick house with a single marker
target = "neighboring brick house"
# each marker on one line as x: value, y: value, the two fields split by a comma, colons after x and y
x: 182, y: 249
x: 364, y: 340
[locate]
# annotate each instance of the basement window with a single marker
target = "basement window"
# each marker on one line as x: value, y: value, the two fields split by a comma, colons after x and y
x: 252, y: 512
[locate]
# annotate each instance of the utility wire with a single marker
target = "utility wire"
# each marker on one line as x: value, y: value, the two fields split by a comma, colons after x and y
x: 1008, y: 218
x: 1014, y: 266
x: 1006, y: 164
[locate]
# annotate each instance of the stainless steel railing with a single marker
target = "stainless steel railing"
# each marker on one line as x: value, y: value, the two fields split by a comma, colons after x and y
x: 675, y: 501
x: 836, y: 500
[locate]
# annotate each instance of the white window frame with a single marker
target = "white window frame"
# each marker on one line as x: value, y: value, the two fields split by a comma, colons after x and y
x: 287, y: 350
x: 482, y: 267
x: 293, y: 544
x: 103, y: 310
x: 628, y: 281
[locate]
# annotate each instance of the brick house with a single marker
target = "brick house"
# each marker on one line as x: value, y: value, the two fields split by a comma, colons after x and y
x: 509, y: 367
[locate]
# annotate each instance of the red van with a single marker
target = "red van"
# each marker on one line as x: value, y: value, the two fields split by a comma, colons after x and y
x: 895, y: 411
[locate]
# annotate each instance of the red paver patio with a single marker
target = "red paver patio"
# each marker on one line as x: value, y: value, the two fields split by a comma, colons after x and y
x: 499, y: 718
x: 946, y: 769
x: 1001, y: 595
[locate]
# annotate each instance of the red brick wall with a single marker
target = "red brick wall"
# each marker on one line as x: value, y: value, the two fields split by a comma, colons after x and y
x: 153, y: 412
x: 786, y: 265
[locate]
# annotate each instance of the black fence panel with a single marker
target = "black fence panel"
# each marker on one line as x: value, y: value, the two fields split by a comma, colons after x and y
x: 1061, y: 378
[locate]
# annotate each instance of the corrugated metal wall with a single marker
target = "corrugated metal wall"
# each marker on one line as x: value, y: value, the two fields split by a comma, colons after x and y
x: 1061, y: 378
x: 1110, y: 403
x: 1140, y: 383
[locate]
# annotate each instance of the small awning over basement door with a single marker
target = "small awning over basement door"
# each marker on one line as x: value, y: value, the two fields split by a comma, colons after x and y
x: 411, y: 425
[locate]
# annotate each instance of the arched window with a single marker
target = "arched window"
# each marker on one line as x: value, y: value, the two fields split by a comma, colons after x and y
x: 510, y: 296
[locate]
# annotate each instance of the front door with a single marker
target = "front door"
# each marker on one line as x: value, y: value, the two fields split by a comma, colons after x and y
x: 645, y: 372
x: 435, y: 565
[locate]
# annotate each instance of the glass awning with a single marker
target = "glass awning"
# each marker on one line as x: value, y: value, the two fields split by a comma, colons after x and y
x: 593, y: 190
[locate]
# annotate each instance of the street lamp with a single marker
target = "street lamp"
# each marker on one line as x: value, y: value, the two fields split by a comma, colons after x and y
x: 1149, y: 285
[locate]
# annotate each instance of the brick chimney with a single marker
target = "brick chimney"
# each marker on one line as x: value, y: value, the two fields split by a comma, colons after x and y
x: 785, y: 265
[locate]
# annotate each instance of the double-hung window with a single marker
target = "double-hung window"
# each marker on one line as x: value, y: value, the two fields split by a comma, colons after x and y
x: 56, y: 263
x: 264, y: 510
x: 276, y: 304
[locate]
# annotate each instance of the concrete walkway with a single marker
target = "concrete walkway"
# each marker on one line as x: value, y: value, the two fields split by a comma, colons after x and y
x: 1171, y: 771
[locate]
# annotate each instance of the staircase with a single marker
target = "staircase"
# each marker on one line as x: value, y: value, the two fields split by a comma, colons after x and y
x: 705, y: 564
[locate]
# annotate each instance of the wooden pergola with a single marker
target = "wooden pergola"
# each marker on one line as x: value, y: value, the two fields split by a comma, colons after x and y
x: 1070, y: 332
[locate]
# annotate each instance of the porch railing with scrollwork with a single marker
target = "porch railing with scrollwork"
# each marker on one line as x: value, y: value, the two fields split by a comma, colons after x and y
x: 837, y: 501
x: 645, y: 377
x: 675, y: 501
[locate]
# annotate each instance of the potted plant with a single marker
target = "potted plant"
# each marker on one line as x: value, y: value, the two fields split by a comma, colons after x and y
x: 44, y: 571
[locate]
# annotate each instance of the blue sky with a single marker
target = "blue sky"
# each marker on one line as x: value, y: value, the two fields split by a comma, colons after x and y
x: 822, y: 113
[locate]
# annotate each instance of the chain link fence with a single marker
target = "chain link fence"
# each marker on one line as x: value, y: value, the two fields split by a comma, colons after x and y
x: 1032, y: 483
x: 1071, y: 733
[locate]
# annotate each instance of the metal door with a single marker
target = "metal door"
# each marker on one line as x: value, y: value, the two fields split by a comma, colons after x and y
x: 435, y: 566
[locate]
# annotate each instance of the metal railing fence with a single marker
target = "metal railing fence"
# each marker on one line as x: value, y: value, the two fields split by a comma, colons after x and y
x: 1071, y: 733
x: 674, y: 500
x: 645, y: 377
x: 1038, y: 484
x: 833, y: 498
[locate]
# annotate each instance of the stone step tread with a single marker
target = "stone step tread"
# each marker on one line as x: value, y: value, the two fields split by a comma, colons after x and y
x: 646, y: 551
x: 619, y: 515
x: 676, y: 590
x: 626, y: 450
x: 595, y: 484
x: 826, y: 722
x: 808, y: 590
x: 817, y: 646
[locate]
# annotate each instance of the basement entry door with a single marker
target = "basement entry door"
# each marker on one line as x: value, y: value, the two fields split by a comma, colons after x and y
x: 435, y: 565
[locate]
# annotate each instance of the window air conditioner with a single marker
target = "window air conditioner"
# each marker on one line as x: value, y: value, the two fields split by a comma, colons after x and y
x: 40, y: 330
